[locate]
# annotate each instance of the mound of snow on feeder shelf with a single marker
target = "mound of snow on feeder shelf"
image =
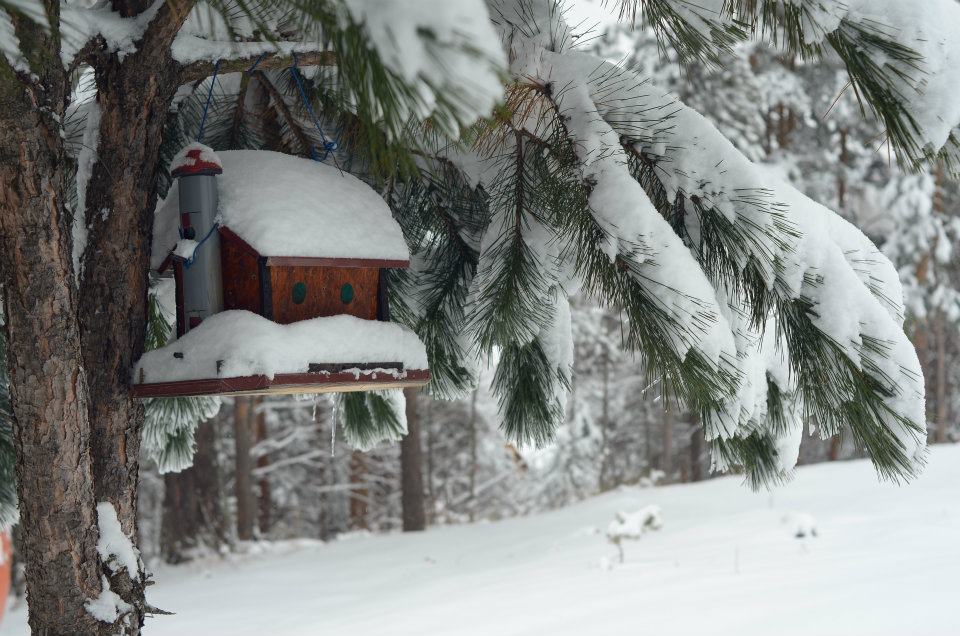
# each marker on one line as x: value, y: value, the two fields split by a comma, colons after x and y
x: 288, y: 206
x: 248, y: 344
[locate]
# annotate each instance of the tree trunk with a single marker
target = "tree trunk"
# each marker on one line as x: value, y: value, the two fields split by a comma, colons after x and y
x: 192, y: 516
x: 941, y: 417
x: 243, y: 422
x: 607, y: 480
x: 263, y: 483
x: 836, y: 446
x: 472, y: 428
x: 666, y: 459
x: 48, y: 387
x: 134, y: 93
x: 696, y: 452
x: 358, y: 491
x: 411, y: 467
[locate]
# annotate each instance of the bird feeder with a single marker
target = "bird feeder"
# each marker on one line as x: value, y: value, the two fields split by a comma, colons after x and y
x: 280, y: 272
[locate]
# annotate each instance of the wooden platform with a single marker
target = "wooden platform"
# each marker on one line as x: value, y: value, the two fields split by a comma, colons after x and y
x: 287, y: 383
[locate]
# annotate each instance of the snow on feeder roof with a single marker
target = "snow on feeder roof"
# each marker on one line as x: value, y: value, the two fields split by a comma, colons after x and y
x: 286, y: 206
x: 239, y: 352
x: 195, y: 159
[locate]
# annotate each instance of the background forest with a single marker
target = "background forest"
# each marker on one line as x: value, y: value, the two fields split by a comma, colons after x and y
x: 278, y: 468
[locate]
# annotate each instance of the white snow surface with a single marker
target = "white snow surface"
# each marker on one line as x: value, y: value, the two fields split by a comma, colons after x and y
x: 249, y: 344
x: 107, y: 607
x: 82, y: 21
x: 289, y: 206
x: 114, y: 546
x: 884, y: 563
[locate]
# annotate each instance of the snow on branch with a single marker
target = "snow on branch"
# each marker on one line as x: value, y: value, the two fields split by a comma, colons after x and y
x: 198, y: 59
x: 718, y: 243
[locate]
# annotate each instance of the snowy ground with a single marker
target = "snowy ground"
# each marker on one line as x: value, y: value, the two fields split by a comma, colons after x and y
x: 886, y: 561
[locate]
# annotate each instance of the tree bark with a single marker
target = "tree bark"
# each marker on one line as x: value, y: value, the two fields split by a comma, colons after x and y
x: 358, y: 491
x: 243, y: 467
x: 411, y: 467
x: 472, y: 429
x: 134, y: 93
x: 48, y: 387
x: 666, y: 459
x: 192, y: 515
x: 263, y: 483
x: 607, y: 478
x: 941, y: 417
x: 836, y: 446
x: 696, y: 452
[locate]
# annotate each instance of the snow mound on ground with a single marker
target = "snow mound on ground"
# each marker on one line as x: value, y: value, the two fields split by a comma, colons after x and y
x: 632, y: 525
x: 240, y: 343
x: 289, y: 206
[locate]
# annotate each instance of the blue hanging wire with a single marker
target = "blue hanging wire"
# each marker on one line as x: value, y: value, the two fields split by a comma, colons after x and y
x: 213, y: 228
x: 256, y: 62
x: 328, y: 145
x: 206, y: 106
x: 203, y: 122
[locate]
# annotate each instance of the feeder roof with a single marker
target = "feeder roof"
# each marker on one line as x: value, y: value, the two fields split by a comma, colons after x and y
x: 286, y: 206
x: 239, y: 343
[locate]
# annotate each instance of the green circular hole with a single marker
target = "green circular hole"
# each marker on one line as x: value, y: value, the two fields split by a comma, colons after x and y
x: 299, y: 293
x: 346, y: 293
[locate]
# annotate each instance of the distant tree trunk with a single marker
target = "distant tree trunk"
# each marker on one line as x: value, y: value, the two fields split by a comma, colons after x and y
x: 429, y: 463
x: 696, y: 452
x: 666, y: 459
x: 842, y: 172
x: 472, y: 427
x: 607, y: 478
x: 263, y: 482
x: 359, y: 495
x: 243, y: 471
x: 836, y: 446
x: 411, y: 467
x: 941, y: 418
x: 192, y: 515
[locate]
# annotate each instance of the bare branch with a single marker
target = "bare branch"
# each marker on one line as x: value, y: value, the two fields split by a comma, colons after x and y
x: 272, y: 60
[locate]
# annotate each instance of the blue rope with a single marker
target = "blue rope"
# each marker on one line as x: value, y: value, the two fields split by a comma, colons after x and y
x: 256, y: 63
x: 187, y: 263
x: 328, y: 145
x: 206, y: 107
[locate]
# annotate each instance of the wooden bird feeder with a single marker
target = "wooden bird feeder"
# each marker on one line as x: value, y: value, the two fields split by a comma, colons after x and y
x: 280, y: 270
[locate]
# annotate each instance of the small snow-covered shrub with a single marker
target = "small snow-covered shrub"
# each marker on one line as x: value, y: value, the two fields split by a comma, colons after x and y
x: 633, y: 525
x: 802, y: 524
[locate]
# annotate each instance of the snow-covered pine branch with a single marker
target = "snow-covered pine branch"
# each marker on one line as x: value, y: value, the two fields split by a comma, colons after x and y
x: 771, y: 260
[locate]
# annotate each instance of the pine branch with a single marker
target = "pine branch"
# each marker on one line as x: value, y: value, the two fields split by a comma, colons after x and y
x: 292, y: 122
x: 273, y: 60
